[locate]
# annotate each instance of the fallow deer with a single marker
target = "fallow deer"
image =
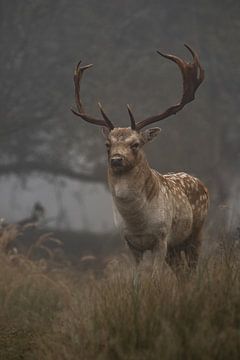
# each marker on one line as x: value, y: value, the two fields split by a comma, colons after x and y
x: 161, y: 213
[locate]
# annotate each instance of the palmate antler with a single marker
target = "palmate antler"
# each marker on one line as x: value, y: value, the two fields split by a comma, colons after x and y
x: 192, y: 74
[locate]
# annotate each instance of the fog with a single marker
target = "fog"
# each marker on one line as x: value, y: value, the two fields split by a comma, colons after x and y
x: 48, y: 155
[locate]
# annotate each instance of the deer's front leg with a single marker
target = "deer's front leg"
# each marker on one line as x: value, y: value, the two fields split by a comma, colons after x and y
x: 159, y: 251
x: 136, y: 252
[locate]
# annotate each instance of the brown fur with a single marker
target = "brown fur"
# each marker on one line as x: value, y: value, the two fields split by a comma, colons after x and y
x: 156, y: 212
x: 181, y: 198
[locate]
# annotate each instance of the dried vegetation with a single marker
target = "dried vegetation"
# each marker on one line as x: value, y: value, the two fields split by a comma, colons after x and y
x: 58, y: 312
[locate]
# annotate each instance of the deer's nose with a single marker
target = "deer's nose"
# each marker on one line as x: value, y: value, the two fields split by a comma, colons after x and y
x: 116, y: 161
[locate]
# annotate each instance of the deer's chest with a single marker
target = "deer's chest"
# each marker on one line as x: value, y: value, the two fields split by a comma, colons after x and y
x: 144, y: 223
x: 139, y: 218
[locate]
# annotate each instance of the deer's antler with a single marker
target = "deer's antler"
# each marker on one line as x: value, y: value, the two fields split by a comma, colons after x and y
x: 79, y: 70
x: 192, y: 74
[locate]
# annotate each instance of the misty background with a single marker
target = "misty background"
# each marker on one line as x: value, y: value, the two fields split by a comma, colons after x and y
x: 50, y: 156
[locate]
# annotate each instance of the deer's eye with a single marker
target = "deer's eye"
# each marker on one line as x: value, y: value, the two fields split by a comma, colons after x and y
x: 107, y: 145
x: 135, y: 146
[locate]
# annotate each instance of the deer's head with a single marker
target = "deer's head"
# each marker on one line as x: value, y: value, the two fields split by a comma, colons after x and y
x: 124, y: 145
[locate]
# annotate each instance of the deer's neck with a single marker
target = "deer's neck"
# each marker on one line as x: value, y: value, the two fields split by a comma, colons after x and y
x: 134, y: 188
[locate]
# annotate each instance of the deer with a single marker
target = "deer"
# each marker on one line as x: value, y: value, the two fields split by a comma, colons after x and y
x: 160, y: 213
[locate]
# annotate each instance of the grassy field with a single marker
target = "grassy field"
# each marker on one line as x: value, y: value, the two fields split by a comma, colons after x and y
x: 118, y: 312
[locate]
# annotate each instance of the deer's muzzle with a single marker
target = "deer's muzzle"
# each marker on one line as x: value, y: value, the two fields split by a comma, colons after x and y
x: 116, y: 161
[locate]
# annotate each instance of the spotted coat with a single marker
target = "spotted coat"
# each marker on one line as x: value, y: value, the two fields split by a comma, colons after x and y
x: 163, y: 213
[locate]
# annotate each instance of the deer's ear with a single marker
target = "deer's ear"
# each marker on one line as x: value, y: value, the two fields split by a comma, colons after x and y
x: 105, y: 131
x: 150, y: 134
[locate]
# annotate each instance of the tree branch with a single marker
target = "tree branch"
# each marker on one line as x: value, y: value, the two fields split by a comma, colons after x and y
x: 49, y: 169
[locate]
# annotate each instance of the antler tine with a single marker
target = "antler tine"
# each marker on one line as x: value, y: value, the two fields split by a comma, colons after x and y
x: 196, y: 63
x: 78, y: 73
x: 192, y: 75
x: 133, y: 123
x: 110, y: 125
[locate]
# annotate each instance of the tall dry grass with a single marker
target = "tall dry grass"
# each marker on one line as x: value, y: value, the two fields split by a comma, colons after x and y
x: 121, y: 313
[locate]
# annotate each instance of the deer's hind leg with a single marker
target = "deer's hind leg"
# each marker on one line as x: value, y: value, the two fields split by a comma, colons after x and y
x: 174, y: 258
x: 192, y: 248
